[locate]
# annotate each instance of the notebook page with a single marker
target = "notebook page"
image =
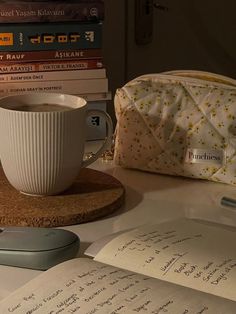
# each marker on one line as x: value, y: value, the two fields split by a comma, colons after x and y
x: 84, y: 286
x: 183, y: 252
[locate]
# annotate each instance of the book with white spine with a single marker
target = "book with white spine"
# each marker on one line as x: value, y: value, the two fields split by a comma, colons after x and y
x: 53, y: 76
x: 76, y: 87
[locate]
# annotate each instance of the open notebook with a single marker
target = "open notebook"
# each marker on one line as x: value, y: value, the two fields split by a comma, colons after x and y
x: 178, y: 267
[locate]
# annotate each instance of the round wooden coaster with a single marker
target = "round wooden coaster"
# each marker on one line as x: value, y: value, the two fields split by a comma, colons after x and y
x: 93, y: 195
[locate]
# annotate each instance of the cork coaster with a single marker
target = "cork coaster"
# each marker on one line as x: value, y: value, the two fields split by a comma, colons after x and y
x: 93, y: 195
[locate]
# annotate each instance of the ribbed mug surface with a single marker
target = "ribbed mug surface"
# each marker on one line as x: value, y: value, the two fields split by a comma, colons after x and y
x: 41, y: 152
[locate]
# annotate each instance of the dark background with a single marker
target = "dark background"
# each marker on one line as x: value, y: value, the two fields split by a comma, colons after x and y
x: 191, y: 34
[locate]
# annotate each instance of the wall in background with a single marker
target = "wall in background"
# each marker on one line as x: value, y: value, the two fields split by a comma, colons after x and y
x: 114, y: 46
x: 196, y: 34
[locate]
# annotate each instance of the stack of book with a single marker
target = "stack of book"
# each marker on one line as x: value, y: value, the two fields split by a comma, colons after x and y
x: 54, y: 46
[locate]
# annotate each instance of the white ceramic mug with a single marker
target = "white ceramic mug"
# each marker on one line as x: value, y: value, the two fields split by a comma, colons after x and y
x: 42, y: 152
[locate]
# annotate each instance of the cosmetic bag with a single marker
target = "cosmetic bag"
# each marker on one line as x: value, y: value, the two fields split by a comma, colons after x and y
x: 179, y: 123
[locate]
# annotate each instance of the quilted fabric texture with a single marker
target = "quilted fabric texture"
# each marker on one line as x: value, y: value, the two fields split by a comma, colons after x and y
x: 178, y: 123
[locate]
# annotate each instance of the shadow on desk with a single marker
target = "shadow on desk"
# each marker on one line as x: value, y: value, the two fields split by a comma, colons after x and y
x: 147, y: 181
x: 142, y: 186
x: 163, y: 195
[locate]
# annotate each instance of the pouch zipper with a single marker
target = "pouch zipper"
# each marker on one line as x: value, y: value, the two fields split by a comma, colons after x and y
x: 165, y: 75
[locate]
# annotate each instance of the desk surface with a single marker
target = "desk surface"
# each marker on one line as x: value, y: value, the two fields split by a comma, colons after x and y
x: 149, y: 198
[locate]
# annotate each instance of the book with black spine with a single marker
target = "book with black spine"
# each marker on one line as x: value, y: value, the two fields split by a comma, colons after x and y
x: 14, y: 11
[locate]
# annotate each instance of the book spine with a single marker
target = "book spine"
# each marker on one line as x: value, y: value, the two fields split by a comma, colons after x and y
x: 24, y: 12
x: 52, y: 76
x: 50, y: 55
x: 50, y: 36
x: 75, y: 87
x: 28, y: 67
x: 96, y: 96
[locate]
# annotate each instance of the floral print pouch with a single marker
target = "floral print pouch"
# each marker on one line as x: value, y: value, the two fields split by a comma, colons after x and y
x: 178, y: 123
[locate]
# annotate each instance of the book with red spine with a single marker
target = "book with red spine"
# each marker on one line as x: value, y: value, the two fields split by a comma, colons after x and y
x: 28, y: 67
x: 49, y: 55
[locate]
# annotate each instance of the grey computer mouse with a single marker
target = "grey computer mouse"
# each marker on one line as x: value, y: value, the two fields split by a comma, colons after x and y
x: 36, y: 248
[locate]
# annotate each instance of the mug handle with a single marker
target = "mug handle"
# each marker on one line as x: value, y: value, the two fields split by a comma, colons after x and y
x: 108, y: 139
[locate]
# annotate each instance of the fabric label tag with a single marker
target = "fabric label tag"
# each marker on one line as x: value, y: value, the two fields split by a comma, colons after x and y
x: 201, y: 156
